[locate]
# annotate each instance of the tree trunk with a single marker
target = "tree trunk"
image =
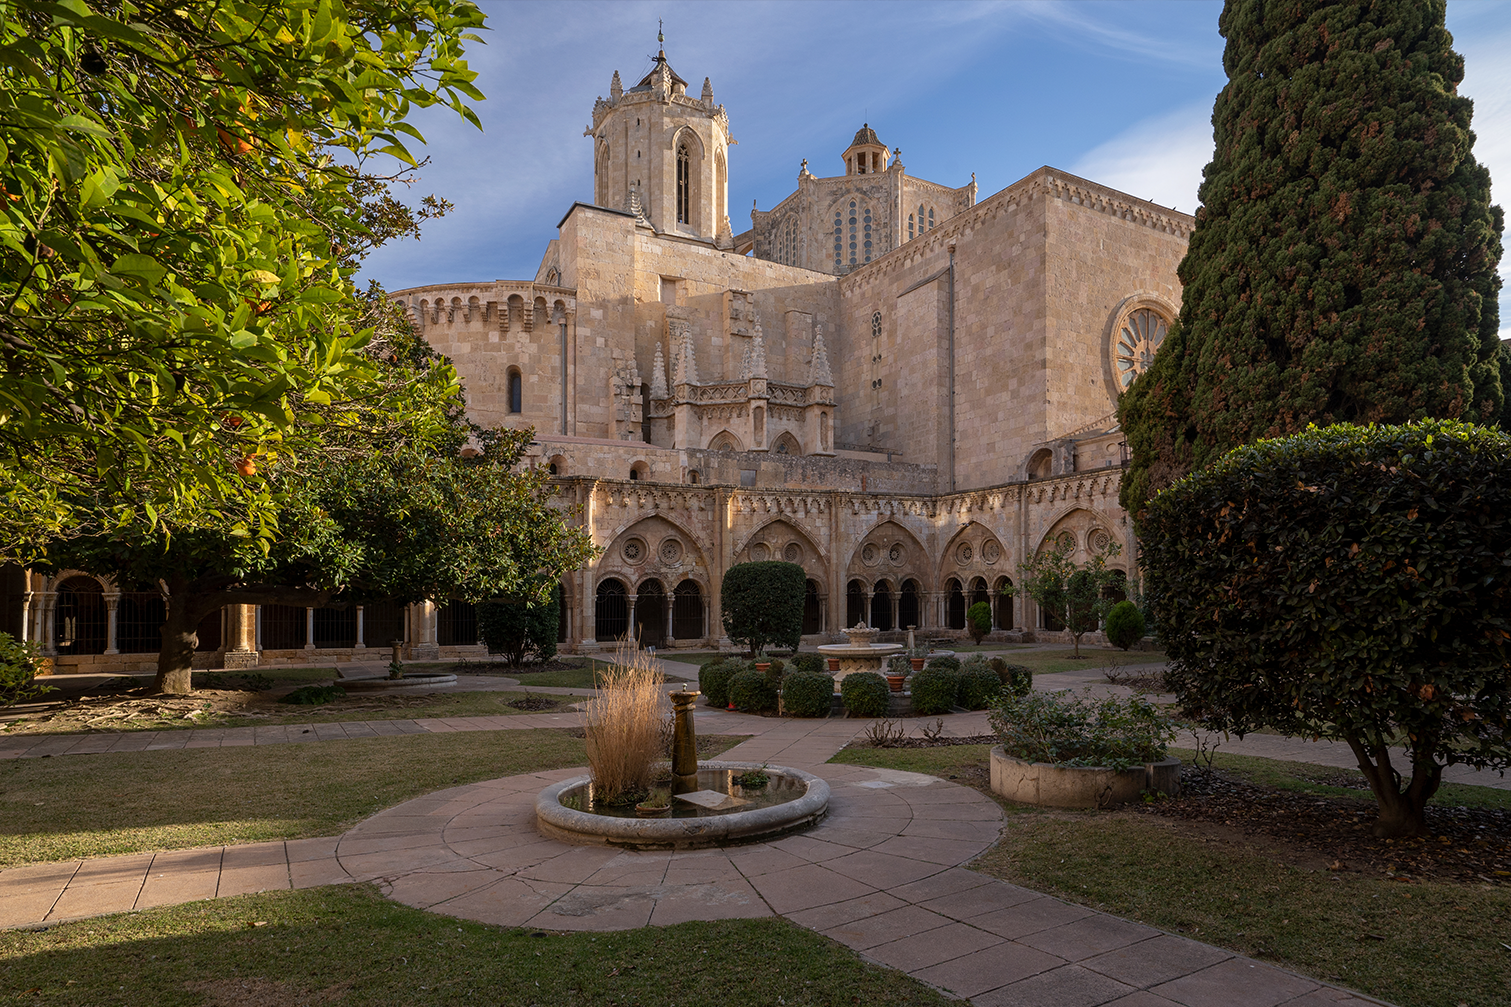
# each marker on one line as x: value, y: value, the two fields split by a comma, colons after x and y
x: 1402, y: 812
x: 176, y: 659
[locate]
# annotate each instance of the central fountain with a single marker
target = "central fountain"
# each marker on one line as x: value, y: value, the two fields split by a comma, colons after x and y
x: 712, y: 804
x: 860, y: 654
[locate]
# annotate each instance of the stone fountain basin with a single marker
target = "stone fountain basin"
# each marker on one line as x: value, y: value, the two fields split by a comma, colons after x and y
x: 557, y: 821
x: 385, y: 685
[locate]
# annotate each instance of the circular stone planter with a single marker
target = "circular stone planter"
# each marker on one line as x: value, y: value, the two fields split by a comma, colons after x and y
x: 555, y: 820
x: 1054, y: 786
x: 385, y: 686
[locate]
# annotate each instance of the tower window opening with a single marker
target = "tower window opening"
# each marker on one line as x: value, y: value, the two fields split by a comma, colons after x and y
x: 516, y: 392
x: 684, y: 183
x: 910, y: 227
x: 931, y: 218
x: 867, y: 244
x: 852, y: 232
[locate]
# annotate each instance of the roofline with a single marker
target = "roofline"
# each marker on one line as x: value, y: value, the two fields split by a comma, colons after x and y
x: 590, y: 206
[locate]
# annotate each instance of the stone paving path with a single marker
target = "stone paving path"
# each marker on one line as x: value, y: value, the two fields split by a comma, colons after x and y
x: 881, y: 874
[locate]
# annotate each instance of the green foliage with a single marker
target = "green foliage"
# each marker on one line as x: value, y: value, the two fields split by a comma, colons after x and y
x: 315, y: 695
x: 1125, y: 625
x: 1069, y: 730
x: 188, y: 195
x: 1347, y: 583
x: 977, y: 684
x: 1070, y: 594
x: 1343, y: 263
x: 762, y: 604
x: 713, y: 681
x: 807, y: 694
x: 520, y: 631
x: 752, y: 691
x: 951, y: 664
x: 19, y: 663
x: 899, y: 664
x: 807, y: 662
x: 978, y: 620
x: 936, y: 687
x: 865, y: 694
x: 1015, y: 677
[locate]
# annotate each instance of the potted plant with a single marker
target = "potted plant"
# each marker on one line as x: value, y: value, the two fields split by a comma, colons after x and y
x: 658, y: 805
x: 897, y: 672
x: 918, y: 655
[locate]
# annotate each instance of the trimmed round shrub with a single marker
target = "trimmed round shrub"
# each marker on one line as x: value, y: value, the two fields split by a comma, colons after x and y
x: 945, y: 663
x: 1125, y: 625
x: 865, y: 694
x: 978, y: 684
x: 1015, y: 678
x: 807, y: 694
x: 978, y: 620
x: 935, y: 687
x: 761, y: 604
x: 751, y: 691
x: 807, y: 662
x: 713, y: 681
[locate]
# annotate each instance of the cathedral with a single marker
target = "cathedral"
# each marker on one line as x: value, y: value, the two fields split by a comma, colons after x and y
x: 902, y: 388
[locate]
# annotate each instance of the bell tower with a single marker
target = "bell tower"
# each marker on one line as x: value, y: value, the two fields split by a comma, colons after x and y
x: 664, y: 155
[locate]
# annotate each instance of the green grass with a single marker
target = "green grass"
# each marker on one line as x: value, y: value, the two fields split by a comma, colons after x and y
x: 1416, y: 945
x: 127, y: 802
x: 349, y: 945
x: 1048, y: 662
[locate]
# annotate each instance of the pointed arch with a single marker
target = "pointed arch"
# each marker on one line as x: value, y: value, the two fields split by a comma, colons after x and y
x: 786, y: 444
x: 974, y: 549
x: 778, y: 535
x: 725, y: 440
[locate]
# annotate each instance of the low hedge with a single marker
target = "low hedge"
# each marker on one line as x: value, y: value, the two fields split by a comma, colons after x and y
x: 807, y: 694
x: 713, y: 681
x: 935, y: 688
x: 807, y: 662
x: 865, y: 694
x: 752, y: 691
x: 1016, y: 678
x: 978, y: 684
x: 946, y: 663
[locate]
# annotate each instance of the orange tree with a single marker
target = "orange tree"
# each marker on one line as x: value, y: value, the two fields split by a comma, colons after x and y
x: 185, y: 191
x: 1350, y: 583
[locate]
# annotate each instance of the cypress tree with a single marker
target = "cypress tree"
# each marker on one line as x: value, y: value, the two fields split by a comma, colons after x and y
x: 1343, y: 264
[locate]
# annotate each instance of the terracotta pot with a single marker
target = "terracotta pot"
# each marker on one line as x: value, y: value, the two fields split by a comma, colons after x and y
x: 763, y: 666
x: 834, y: 664
x: 917, y: 663
x: 895, y: 681
x: 645, y: 812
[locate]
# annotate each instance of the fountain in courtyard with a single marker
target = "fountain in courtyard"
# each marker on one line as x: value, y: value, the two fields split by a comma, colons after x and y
x: 860, y: 654
x: 712, y: 804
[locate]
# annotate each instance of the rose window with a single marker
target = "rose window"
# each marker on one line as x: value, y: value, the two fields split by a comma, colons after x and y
x: 1139, y: 336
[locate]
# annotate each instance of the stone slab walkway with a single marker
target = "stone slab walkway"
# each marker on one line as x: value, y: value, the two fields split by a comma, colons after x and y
x: 881, y: 874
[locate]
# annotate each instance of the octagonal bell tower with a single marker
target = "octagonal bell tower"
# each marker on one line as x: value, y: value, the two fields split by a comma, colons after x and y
x: 664, y: 155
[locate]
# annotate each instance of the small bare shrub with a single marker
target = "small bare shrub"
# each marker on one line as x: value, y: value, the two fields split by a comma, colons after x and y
x: 626, y: 725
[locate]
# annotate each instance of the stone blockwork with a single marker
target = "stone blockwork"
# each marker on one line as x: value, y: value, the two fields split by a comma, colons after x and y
x: 908, y: 428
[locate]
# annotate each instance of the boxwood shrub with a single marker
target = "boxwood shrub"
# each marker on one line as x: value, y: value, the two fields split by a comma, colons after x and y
x: 935, y: 688
x: 713, y: 681
x: 807, y: 694
x: 1015, y: 677
x: 865, y: 694
x: 1125, y: 625
x: 761, y: 604
x: 947, y: 663
x: 807, y: 662
x: 978, y: 684
x: 1069, y: 730
x: 752, y: 691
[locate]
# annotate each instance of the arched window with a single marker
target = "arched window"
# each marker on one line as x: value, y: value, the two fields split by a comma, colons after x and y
x: 687, y: 611
x: 910, y: 227
x: 684, y: 183
x: 954, y: 615
x: 921, y: 228
x: 650, y: 614
x: 693, y: 477
x: 854, y: 234
x: 516, y: 392
x: 881, y: 606
x: 866, y: 234
x: 79, y: 622
x: 1041, y: 464
x: 1004, y: 603
x: 979, y: 593
x: 855, y: 603
x: 876, y: 325
x: 813, y: 610
x: 907, y: 605
x: 635, y: 474
x: 839, y: 238
x: 139, y: 619
x: 611, y: 616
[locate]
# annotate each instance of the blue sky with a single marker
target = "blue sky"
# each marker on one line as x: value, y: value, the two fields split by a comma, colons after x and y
x: 1117, y: 92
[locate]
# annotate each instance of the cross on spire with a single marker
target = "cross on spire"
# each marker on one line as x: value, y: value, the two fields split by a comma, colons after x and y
x: 660, y: 35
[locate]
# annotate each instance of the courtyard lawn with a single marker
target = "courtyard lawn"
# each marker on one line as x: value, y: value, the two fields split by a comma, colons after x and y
x: 1048, y: 662
x: 100, y: 805
x: 349, y: 945
x: 1415, y: 944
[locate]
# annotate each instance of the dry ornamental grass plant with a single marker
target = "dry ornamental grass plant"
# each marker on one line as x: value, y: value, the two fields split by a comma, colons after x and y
x: 625, y: 724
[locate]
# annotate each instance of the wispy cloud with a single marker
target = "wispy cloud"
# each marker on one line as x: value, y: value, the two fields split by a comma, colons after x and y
x: 1159, y: 159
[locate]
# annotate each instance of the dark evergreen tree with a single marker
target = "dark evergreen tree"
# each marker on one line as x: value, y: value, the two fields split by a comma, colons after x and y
x: 1343, y: 263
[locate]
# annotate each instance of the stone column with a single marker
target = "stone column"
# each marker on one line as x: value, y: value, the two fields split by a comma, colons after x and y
x: 26, y: 616
x: 309, y: 629
x: 49, y: 623
x: 423, y: 646
x: 896, y: 597
x: 361, y: 640
x: 630, y: 600
x: 112, y: 604
x: 241, y: 637
x: 671, y: 598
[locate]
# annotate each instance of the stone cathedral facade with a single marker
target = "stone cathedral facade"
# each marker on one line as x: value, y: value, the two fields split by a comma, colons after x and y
x: 900, y: 387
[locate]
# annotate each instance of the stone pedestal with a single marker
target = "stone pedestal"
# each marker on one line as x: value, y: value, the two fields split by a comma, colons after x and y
x: 684, y: 744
